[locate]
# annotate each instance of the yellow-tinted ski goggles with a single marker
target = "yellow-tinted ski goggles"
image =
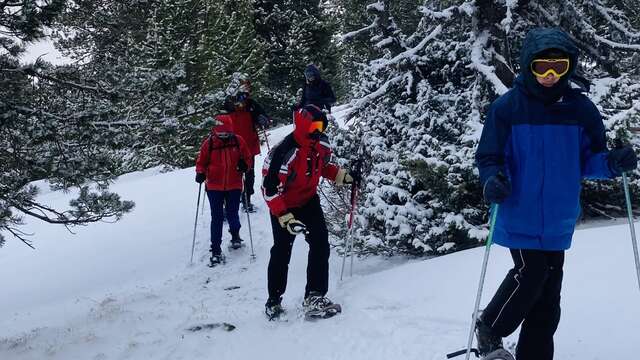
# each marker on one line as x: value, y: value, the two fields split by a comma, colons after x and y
x: 544, y: 67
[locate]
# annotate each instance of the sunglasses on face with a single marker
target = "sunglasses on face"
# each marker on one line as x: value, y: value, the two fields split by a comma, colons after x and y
x: 544, y: 67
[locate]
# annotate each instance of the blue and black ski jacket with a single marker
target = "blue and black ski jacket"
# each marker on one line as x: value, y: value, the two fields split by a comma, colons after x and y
x: 545, y: 146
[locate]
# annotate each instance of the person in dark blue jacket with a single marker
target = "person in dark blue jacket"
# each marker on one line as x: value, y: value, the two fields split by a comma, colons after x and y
x: 540, y: 139
x: 316, y: 91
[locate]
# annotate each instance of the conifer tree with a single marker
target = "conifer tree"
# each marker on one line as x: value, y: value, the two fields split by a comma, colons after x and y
x: 419, y: 107
x: 45, y: 135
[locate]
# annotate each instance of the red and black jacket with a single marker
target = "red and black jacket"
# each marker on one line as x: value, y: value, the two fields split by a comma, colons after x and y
x: 293, y: 169
x: 218, y: 158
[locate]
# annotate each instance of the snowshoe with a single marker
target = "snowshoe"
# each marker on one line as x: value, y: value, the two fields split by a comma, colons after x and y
x: 500, y: 354
x: 216, y: 260
x: 317, y: 306
x: 273, y: 309
x: 236, y: 241
x: 486, y: 340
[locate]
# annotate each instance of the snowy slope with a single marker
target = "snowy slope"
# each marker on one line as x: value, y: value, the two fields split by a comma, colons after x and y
x: 125, y: 291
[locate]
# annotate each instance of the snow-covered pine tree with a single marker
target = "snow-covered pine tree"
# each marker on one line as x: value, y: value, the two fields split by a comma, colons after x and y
x: 43, y: 136
x: 168, y: 61
x: 296, y: 33
x: 420, y: 105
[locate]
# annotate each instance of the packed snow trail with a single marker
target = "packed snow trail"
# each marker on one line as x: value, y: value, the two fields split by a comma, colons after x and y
x: 125, y: 291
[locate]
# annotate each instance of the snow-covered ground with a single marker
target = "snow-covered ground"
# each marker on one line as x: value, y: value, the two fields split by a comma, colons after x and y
x: 125, y: 291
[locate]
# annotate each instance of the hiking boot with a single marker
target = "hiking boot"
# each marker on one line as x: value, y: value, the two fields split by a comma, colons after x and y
x: 236, y: 241
x: 487, y: 341
x: 273, y: 308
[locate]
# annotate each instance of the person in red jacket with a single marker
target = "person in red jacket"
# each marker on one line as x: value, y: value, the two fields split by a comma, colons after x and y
x: 224, y: 157
x: 247, y: 117
x: 291, y: 174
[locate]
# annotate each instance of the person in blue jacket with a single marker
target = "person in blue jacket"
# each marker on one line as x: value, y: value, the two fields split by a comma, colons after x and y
x: 316, y: 91
x: 540, y: 139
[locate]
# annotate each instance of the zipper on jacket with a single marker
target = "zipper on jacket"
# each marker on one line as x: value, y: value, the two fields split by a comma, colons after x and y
x: 226, y: 168
x: 544, y: 175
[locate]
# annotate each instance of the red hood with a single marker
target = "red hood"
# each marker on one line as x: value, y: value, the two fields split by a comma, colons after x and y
x: 302, y: 119
x: 224, y: 124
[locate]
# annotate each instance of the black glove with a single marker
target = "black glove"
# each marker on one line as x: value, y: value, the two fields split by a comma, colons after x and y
x: 263, y: 121
x: 200, y: 177
x: 242, y: 166
x: 353, y: 177
x: 622, y: 160
x: 496, y: 189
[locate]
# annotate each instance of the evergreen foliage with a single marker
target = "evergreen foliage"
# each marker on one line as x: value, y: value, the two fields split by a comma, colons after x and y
x: 296, y: 34
x: 420, y: 103
x: 44, y: 136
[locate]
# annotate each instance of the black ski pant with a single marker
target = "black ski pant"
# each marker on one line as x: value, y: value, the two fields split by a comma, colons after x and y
x: 318, y: 262
x: 529, y: 295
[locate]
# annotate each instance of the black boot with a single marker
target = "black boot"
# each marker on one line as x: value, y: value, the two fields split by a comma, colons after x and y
x: 247, y: 206
x: 216, y: 258
x: 488, y: 342
x: 273, y: 308
x: 236, y: 241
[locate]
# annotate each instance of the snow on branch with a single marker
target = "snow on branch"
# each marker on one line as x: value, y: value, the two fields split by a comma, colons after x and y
x: 508, y: 20
x: 376, y: 6
x: 448, y: 13
x: 360, y: 103
x: 552, y: 18
x: 31, y: 70
x: 622, y: 115
x: 478, y: 63
x: 411, y: 52
x: 350, y: 35
x: 620, y: 27
x: 617, y: 45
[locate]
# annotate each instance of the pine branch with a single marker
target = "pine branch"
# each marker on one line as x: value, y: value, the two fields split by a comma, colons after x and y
x: 617, y: 45
x: 617, y: 25
x: 356, y: 33
x: 479, y: 64
x: 19, y: 235
x: 411, y: 53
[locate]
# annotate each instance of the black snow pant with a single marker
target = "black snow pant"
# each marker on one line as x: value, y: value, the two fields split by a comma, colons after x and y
x: 249, y: 179
x: 318, y: 262
x: 529, y: 295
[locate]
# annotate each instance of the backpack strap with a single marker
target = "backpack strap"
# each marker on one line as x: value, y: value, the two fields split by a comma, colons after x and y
x: 233, y: 142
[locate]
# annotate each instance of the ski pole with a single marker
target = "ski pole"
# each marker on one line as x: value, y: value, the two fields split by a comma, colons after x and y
x: 202, y: 208
x: 354, y: 195
x: 195, y: 224
x: 632, y: 227
x: 246, y: 209
x: 266, y: 138
x: 348, y: 243
x: 483, y: 273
